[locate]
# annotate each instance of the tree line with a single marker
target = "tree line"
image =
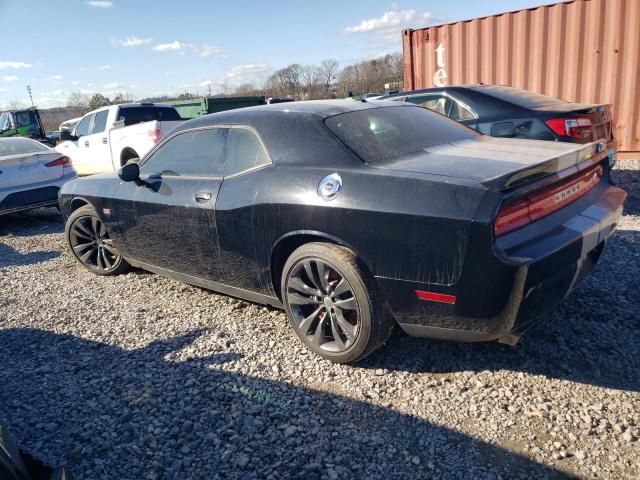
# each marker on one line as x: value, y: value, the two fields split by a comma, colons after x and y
x: 328, y: 80
x: 300, y: 82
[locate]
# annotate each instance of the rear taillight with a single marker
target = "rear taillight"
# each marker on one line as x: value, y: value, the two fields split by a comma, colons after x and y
x: 578, y: 128
x: 155, y: 135
x: 515, y: 214
x: 59, y: 162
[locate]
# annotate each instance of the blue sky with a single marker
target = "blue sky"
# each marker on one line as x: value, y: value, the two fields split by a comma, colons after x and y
x: 153, y: 47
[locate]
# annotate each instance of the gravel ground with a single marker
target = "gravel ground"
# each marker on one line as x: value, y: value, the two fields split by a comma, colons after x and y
x: 140, y: 377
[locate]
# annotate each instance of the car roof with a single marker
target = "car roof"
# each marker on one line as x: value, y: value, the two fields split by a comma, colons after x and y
x: 320, y: 109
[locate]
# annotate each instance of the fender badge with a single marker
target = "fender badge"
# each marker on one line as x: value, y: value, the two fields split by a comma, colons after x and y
x: 106, y: 212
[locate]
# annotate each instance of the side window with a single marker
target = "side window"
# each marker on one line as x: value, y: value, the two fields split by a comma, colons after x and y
x: 100, y: 122
x: 460, y: 113
x: 437, y: 103
x: 83, y: 127
x: 198, y: 153
x: 244, y: 151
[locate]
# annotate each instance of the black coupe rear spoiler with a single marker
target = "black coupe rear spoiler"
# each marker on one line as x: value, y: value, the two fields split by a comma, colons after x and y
x: 561, y: 166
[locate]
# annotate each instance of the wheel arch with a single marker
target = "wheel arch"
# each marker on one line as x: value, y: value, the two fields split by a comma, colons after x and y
x: 76, y: 203
x: 286, y: 244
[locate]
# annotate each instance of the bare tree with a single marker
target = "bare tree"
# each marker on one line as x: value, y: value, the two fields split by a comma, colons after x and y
x: 329, y: 71
x: 310, y: 76
x: 78, y: 102
x: 15, y: 104
x: 122, y: 97
x: 285, y: 82
x: 372, y: 75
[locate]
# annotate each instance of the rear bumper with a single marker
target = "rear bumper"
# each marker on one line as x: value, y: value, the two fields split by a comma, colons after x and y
x: 526, y: 273
x: 27, y: 197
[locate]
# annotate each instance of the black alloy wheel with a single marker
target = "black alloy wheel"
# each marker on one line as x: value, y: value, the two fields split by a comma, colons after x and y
x: 323, y: 304
x: 333, y: 303
x: 89, y: 241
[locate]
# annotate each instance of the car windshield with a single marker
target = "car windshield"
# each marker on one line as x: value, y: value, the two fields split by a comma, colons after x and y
x: 516, y: 96
x: 381, y: 133
x: 16, y: 146
x: 5, y: 122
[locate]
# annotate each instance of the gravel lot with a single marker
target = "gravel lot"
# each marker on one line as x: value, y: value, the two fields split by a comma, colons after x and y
x: 140, y: 377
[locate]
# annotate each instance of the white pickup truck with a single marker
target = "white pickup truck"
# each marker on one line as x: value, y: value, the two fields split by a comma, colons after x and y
x: 106, y: 138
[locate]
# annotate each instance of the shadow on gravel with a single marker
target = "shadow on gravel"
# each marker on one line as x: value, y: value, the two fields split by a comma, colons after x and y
x: 10, y: 257
x: 629, y: 180
x: 34, y: 222
x: 592, y: 337
x: 113, y: 413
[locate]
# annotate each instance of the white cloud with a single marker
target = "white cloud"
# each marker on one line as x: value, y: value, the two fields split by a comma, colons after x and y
x: 174, y: 46
x: 235, y: 76
x: 132, y: 41
x: 100, y: 4
x: 208, y: 50
x: 113, y: 85
x: 9, y: 78
x: 54, y: 78
x: 247, y: 71
x: 390, y: 24
x: 3, y: 89
x: 14, y: 65
x: 75, y: 82
x: 103, y: 67
x: 181, y: 48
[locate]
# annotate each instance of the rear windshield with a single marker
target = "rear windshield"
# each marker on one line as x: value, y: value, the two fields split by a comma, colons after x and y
x: 520, y: 98
x: 133, y: 115
x: 15, y: 146
x: 381, y: 133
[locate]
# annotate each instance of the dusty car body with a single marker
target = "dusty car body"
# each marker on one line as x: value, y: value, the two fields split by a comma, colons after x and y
x: 450, y: 234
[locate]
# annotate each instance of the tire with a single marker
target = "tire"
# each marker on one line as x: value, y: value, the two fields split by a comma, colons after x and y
x: 89, y: 243
x: 318, y: 305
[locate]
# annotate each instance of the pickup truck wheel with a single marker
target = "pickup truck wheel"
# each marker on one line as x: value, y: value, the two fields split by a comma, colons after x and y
x: 90, y: 244
x: 333, y: 304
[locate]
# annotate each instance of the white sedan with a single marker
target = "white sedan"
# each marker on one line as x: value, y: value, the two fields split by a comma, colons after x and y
x: 30, y: 174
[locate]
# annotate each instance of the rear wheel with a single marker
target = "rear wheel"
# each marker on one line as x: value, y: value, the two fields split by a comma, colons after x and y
x: 90, y: 244
x: 332, y: 303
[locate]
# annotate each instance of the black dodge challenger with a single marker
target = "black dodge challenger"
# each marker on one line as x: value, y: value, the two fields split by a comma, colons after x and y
x: 355, y: 216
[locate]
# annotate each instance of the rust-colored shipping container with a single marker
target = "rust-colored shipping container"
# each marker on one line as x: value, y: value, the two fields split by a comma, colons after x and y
x: 585, y: 51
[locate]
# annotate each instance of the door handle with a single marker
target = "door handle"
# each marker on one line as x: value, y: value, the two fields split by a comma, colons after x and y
x: 86, y: 143
x: 104, y: 140
x: 202, y: 197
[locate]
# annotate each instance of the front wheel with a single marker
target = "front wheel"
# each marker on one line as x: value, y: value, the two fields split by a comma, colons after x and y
x: 90, y: 244
x: 333, y: 304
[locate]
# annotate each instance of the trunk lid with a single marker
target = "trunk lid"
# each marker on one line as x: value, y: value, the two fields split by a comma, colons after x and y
x: 500, y: 163
x: 26, y: 169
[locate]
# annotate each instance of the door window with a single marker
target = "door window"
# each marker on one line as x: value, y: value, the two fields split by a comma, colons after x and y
x: 100, y: 122
x: 244, y: 151
x: 444, y: 105
x: 195, y: 153
x: 460, y: 113
x: 437, y: 103
x: 83, y: 127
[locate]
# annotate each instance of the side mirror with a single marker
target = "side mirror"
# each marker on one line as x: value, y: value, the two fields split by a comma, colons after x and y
x: 65, y: 135
x: 503, y: 129
x: 130, y: 172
